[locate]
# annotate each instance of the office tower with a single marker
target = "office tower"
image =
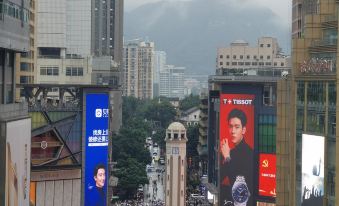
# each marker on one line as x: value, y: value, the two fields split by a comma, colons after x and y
x: 159, y: 64
x: 172, y: 81
x: 138, y: 69
x: 307, y: 109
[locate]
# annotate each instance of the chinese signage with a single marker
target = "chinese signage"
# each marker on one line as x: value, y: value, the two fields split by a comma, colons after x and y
x: 317, y: 66
x: 97, y: 121
x: 312, y: 177
x: 267, y: 173
x: 236, y: 149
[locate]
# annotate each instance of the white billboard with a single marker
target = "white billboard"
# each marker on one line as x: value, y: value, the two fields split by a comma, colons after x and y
x: 312, y: 183
x: 18, y: 164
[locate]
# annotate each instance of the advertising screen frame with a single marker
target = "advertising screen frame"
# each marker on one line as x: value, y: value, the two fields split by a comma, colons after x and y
x: 267, y: 175
x: 238, y: 167
x: 312, y: 170
x: 96, y: 113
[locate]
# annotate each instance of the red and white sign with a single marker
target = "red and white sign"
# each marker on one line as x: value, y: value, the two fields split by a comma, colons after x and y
x: 267, y: 173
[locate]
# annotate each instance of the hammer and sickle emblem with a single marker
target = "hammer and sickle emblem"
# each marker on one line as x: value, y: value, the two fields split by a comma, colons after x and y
x: 265, y: 163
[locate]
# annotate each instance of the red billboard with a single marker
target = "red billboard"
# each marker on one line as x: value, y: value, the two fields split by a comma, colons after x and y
x: 236, y: 149
x: 267, y: 173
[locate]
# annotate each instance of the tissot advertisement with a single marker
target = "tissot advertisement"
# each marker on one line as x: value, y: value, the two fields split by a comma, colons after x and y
x: 97, y: 117
x: 312, y: 183
x: 236, y: 149
x: 267, y: 173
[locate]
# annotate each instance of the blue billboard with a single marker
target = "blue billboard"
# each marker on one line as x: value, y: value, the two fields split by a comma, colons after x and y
x: 96, y: 149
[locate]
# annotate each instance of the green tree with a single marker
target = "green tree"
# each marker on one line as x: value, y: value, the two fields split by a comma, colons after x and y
x: 193, y: 141
x: 131, y: 174
x: 162, y: 111
x: 189, y: 102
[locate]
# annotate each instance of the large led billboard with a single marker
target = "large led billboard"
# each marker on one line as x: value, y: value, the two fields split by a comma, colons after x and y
x: 236, y: 149
x: 267, y: 175
x: 18, y: 164
x: 312, y: 182
x: 97, y: 121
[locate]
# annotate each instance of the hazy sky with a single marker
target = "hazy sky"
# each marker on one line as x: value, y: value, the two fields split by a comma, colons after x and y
x: 282, y: 8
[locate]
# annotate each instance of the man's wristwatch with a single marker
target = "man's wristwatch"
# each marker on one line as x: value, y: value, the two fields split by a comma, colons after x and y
x: 240, y: 191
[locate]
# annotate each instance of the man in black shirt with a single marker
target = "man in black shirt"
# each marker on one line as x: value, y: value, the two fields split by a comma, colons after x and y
x: 237, y: 161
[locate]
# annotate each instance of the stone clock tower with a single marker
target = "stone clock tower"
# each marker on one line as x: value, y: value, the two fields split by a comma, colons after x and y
x: 176, y: 139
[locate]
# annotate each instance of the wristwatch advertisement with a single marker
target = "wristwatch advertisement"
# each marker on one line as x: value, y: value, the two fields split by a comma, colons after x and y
x: 240, y: 191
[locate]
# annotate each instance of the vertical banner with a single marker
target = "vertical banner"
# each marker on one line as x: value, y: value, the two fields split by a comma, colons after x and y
x: 312, y: 182
x: 18, y: 162
x: 267, y: 175
x: 97, y: 120
x: 236, y: 149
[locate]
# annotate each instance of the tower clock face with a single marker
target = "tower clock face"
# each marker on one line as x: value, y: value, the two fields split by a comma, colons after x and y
x: 175, y: 150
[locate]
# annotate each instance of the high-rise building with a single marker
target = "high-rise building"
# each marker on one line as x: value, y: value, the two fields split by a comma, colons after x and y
x: 172, y: 81
x: 176, y: 165
x: 107, y: 33
x: 25, y: 62
x: 138, y: 69
x: 71, y: 34
x: 307, y: 160
x: 240, y: 59
x: 159, y: 64
x: 14, y: 120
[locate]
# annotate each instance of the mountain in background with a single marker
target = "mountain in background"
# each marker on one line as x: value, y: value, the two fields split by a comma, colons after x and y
x: 191, y: 31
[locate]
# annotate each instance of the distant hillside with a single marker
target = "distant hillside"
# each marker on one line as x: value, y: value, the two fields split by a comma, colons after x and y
x: 190, y: 32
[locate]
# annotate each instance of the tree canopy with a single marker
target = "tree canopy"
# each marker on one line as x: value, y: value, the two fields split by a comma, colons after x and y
x: 189, y: 102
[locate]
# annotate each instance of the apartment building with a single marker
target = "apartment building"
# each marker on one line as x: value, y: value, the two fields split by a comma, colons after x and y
x: 138, y: 69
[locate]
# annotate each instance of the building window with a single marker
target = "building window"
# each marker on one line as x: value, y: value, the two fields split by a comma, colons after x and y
x: 261, y: 63
x: 269, y: 96
x: 255, y: 57
x: 247, y: 63
x: 234, y: 56
x: 221, y: 56
x: 74, y: 71
x: 261, y: 45
x: 234, y: 63
x: 220, y: 63
x: 49, y: 71
x: 227, y: 56
x: 241, y: 56
x: 24, y: 66
x: 268, y: 64
x: 240, y: 63
x: 282, y: 64
x: 268, y: 57
x: 268, y: 45
x: 261, y: 57
x: 275, y: 63
x: 254, y: 63
x: 248, y: 57
x: 267, y: 133
x: 227, y: 63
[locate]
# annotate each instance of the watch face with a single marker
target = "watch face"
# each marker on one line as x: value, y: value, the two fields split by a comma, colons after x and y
x: 240, y: 193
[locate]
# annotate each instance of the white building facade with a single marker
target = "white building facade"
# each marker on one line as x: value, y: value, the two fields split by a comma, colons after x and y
x: 172, y: 81
x: 241, y: 59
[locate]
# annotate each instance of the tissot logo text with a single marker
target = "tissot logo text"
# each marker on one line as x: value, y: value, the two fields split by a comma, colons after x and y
x: 238, y: 101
